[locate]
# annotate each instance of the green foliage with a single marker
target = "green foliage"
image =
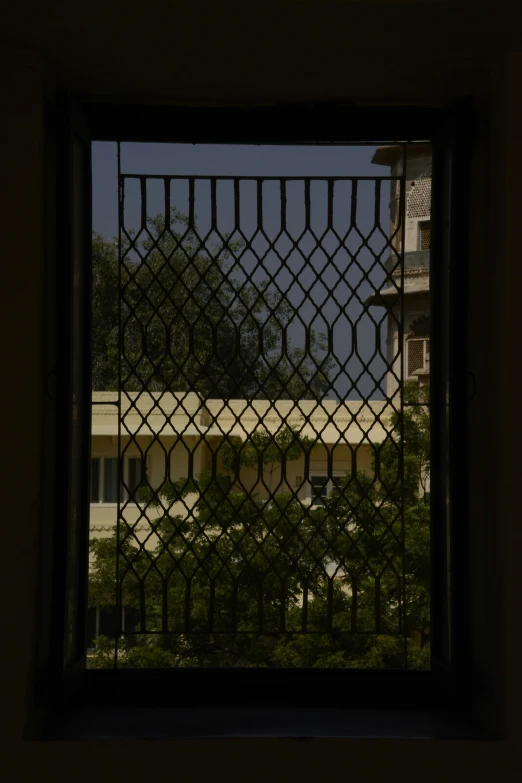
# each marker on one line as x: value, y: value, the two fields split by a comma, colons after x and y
x: 264, y: 451
x: 190, y: 323
x: 130, y: 655
x: 257, y: 556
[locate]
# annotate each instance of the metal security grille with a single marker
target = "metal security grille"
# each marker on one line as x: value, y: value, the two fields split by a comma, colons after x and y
x: 242, y: 304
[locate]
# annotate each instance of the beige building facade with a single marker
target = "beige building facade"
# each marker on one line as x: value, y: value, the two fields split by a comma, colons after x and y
x: 179, y: 435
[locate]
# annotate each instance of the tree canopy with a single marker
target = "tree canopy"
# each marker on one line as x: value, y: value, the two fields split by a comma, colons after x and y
x: 192, y: 322
x: 282, y: 563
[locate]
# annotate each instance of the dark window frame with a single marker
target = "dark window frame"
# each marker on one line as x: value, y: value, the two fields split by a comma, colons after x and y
x: 330, y: 482
x: 101, y: 483
x: 61, y: 688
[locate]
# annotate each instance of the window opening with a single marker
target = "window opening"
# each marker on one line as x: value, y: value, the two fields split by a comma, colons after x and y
x: 95, y: 480
x: 417, y: 355
x: 104, y: 479
x: 424, y: 235
x: 250, y: 347
x: 135, y: 477
x: 322, y: 486
x: 110, y: 480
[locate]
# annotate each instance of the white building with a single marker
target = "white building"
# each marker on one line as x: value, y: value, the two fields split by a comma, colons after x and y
x: 178, y: 435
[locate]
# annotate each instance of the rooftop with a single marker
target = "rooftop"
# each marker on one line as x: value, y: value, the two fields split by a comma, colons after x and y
x: 186, y: 414
x: 388, y: 154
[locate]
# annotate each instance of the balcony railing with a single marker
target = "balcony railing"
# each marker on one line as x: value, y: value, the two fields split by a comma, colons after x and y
x: 415, y: 259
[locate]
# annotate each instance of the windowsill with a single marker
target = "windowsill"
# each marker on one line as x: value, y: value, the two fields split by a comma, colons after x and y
x: 305, y: 724
x: 299, y: 704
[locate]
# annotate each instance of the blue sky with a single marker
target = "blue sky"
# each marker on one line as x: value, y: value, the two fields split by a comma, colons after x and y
x: 328, y: 286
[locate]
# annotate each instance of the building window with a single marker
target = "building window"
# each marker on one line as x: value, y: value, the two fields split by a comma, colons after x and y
x: 110, y: 480
x: 104, y: 479
x: 321, y: 487
x: 95, y: 479
x: 424, y: 236
x: 134, y: 477
x: 103, y: 621
x: 417, y: 355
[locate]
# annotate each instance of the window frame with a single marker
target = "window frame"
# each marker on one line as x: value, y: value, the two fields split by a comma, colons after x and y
x: 101, y: 485
x: 322, y: 474
x: 425, y: 355
x: 448, y: 128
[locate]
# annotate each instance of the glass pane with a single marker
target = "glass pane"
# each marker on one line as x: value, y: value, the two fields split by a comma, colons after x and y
x: 134, y: 476
x: 95, y: 480
x: 415, y: 356
x: 110, y: 483
x: 319, y: 489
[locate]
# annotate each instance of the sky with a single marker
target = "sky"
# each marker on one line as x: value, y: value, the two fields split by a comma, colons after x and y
x: 326, y: 289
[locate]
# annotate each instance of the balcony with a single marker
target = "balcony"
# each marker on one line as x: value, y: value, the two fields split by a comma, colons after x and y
x: 416, y: 259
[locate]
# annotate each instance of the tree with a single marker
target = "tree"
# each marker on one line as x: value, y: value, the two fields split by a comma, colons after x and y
x: 191, y: 322
x: 369, y: 509
x: 247, y: 557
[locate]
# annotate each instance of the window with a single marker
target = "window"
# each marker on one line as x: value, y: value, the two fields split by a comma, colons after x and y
x: 424, y: 240
x: 109, y: 493
x: 104, y: 479
x: 321, y: 487
x: 191, y: 389
x: 134, y: 477
x: 103, y: 621
x: 417, y: 355
x: 95, y: 480
x: 249, y: 359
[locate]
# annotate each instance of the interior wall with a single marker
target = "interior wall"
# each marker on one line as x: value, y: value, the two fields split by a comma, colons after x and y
x: 305, y: 56
x: 23, y: 250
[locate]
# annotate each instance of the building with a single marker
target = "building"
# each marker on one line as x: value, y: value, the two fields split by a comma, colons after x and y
x: 416, y: 235
x: 182, y: 438
x: 175, y: 435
